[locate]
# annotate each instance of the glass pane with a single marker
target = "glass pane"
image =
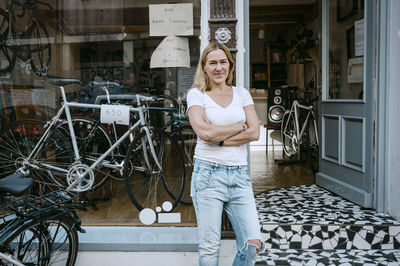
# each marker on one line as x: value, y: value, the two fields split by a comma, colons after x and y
x: 346, y: 49
x: 93, y: 41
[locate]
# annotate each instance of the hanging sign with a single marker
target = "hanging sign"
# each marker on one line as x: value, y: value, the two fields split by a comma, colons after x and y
x: 171, y: 19
x: 172, y: 52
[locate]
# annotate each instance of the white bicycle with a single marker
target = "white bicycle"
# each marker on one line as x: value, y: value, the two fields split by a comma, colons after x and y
x: 296, y: 131
x: 59, y: 158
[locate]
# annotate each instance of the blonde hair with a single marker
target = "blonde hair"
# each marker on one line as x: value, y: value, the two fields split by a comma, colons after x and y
x: 201, y: 80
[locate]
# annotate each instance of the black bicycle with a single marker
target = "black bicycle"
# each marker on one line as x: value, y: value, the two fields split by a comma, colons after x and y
x: 37, y: 230
x: 32, y: 45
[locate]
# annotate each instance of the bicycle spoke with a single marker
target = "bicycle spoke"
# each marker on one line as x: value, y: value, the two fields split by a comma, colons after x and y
x: 48, y: 241
x: 142, y: 181
x: 93, y: 141
x: 17, y: 142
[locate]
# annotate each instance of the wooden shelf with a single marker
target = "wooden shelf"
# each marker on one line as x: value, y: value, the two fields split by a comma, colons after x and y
x: 277, y: 73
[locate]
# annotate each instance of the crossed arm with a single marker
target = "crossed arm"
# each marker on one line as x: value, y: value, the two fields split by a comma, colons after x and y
x: 232, y: 134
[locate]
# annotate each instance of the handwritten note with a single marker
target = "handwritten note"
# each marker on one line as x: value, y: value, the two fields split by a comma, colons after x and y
x: 114, y: 113
x: 359, y: 37
x: 171, y: 19
x: 34, y: 97
x: 172, y: 52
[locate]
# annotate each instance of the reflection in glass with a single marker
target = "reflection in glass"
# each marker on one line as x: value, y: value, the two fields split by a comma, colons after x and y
x: 346, y: 50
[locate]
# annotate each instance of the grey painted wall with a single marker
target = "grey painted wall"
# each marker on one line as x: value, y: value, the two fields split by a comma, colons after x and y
x: 393, y: 87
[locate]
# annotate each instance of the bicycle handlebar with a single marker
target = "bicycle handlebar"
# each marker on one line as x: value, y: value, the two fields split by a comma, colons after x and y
x: 60, y: 81
x: 104, y: 83
x: 141, y: 97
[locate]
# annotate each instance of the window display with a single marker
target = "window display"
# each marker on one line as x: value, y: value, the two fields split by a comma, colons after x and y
x: 56, y: 53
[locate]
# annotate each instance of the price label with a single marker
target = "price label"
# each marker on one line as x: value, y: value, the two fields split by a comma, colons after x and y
x: 114, y: 113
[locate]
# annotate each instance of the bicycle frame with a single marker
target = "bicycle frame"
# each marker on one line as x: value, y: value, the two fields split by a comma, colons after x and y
x: 296, y: 106
x: 14, y: 223
x: 66, y: 108
x: 10, y: 259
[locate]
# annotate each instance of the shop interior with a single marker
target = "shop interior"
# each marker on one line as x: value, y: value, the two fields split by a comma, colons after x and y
x: 279, y: 59
x: 112, y: 43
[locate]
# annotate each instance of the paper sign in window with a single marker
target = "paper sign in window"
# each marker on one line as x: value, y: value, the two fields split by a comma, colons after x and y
x: 114, y: 113
x: 172, y: 52
x: 359, y: 37
x: 355, y: 70
x: 171, y: 19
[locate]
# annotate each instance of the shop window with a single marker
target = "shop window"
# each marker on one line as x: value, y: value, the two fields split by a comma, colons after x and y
x: 90, y: 41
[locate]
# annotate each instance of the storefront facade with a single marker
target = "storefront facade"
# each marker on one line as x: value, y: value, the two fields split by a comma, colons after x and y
x: 114, y: 41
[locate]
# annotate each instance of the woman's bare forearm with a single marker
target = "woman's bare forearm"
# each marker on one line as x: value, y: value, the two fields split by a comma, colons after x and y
x: 209, y: 132
x: 250, y: 134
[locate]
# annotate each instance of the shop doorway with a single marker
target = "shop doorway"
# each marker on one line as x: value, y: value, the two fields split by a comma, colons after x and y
x: 283, y: 66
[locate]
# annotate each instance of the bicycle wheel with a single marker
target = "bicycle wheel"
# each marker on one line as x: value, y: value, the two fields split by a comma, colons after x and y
x: 93, y: 140
x: 7, y: 51
x: 39, y: 48
x: 52, y: 241
x: 188, y: 146
x: 313, y: 147
x: 289, y: 134
x: 148, y: 187
x: 172, y: 161
x: 18, y: 139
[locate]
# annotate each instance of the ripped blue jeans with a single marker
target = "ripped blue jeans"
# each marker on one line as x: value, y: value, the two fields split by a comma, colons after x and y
x: 215, y: 188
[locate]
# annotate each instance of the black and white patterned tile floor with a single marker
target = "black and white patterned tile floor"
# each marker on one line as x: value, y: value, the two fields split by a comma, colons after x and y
x: 311, y: 204
x: 329, y: 257
x: 308, y: 225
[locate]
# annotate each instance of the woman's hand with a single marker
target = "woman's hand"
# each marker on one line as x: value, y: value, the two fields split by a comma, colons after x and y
x: 250, y: 133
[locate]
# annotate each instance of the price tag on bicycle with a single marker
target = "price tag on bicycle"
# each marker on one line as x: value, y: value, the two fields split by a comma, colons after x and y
x: 114, y: 113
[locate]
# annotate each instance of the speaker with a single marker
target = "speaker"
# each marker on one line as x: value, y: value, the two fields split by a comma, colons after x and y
x: 277, y: 104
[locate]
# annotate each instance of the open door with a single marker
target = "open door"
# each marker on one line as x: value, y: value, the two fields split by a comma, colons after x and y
x: 346, y: 111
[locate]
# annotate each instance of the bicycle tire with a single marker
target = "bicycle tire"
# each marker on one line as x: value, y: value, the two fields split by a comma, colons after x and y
x: 313, y: 147
x: 7, y: 53
x: 47, y: 241
x: 175, y: 126
x: 289, y: 135
x: 40, y: 53
x: 18, y: 139
x: 189, y: 141
x: 92, y: 140
x: 172, y: 161
x: 146, y: 187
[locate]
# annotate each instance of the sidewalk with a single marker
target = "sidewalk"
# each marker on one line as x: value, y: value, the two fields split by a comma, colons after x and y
x: 113, y: 258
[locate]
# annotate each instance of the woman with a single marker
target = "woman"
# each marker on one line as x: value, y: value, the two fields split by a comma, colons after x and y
x: 224, y: 119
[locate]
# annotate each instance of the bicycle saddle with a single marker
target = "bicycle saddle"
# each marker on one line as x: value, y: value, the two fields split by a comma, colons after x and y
x: 59, y: 81
x: 15, y: 184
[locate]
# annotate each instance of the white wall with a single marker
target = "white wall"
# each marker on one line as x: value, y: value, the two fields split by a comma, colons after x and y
x: 394, y: 110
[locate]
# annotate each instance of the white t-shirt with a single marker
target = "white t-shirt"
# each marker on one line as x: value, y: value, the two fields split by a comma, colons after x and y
x: 234, y: 112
